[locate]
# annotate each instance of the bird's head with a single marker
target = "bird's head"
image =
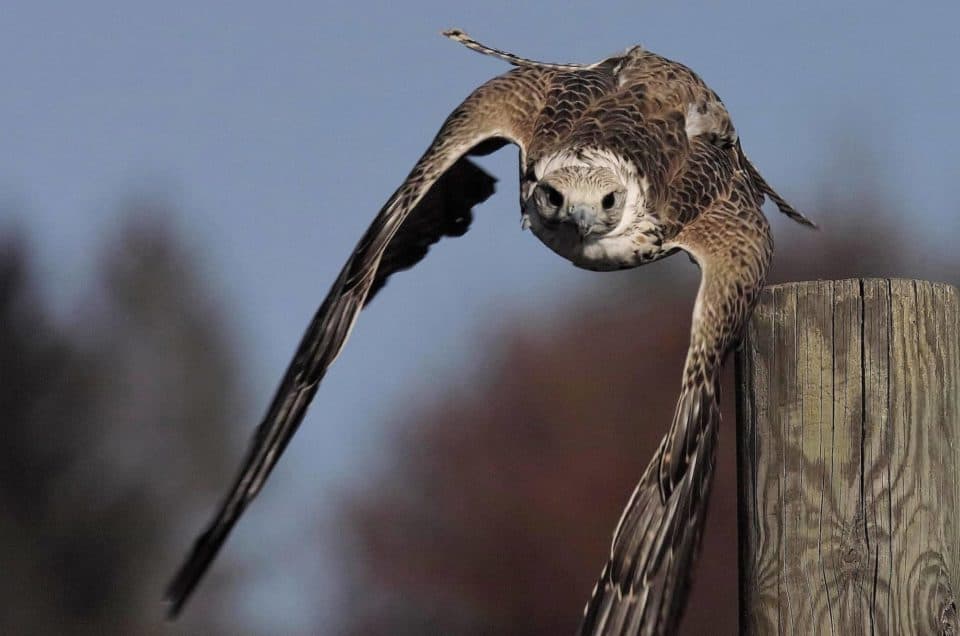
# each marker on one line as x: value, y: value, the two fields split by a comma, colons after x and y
x: 583, y: 201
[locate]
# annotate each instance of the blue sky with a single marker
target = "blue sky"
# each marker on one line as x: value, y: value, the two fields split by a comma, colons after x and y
x: 278, y: 129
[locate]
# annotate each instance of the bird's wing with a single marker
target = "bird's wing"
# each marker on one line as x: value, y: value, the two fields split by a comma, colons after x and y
x: 773, y: 195
x: 668, y: 85
x: 435, y: 200
x: 642, y: 589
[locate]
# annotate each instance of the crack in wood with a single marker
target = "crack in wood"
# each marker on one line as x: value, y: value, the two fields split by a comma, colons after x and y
x: 848, y: 409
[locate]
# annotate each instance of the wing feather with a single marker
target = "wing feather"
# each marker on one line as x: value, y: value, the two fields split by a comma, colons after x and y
x: 656, y: 542
x: 446, y: 210
x: 643, y: 588
x: 433, y: 201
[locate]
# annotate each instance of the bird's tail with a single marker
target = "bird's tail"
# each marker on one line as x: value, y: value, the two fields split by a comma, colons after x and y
x: 458, y: 35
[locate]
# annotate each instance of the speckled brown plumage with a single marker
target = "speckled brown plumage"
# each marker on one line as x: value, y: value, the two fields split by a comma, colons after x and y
x: 663, y: 135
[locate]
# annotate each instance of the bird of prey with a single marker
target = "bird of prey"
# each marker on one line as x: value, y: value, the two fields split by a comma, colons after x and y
x: 622, y: 162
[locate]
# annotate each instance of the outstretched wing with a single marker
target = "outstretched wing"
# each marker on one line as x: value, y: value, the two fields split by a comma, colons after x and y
x: 643, y: 587
x: 446, y: 210
x: 434, y: 201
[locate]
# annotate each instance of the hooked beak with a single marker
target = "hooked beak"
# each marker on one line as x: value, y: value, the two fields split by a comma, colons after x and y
x: 582, y: 217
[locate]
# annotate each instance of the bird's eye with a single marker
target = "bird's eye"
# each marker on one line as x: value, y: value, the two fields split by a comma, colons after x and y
x: 608, y: 201
x: 553, y: 197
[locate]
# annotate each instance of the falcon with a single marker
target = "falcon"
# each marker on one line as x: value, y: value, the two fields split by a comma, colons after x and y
x: 622, y: 162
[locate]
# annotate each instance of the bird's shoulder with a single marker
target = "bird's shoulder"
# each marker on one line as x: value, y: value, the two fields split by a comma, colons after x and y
x: 659, y: 80
x: 664, y: 89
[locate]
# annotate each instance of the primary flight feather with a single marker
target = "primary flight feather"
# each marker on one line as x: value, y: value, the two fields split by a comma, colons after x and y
x: 622, y: 162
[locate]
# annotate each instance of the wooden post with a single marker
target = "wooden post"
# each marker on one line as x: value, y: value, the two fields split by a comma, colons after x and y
x: 849, y: 459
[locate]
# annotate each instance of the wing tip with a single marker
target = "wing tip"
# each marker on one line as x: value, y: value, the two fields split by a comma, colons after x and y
x: 179, y: 589
x: 174, y: 597
x: 191, y: 572
x: 174, y: 606
x: 798, y: 217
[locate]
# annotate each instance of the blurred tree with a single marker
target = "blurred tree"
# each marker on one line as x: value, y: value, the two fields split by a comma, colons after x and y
x: 113, y: 426
x: 498, y: 511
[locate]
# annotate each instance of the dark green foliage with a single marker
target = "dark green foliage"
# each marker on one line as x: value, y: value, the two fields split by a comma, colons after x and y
x: 112, y: 422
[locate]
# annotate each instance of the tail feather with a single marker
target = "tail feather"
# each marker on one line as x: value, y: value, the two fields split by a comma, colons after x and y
x: 458, y: 35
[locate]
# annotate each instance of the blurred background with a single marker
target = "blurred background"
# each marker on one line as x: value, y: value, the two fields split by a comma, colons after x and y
x: 179, y: 185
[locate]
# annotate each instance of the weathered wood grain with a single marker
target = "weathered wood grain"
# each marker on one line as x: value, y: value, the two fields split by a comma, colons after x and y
x: 849, y: 474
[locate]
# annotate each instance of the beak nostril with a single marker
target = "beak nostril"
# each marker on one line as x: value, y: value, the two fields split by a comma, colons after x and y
x: 582, y: 219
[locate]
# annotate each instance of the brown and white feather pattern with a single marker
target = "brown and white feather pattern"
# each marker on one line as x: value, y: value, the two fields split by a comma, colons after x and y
x: 643, y: 586
x: 665, y: 136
